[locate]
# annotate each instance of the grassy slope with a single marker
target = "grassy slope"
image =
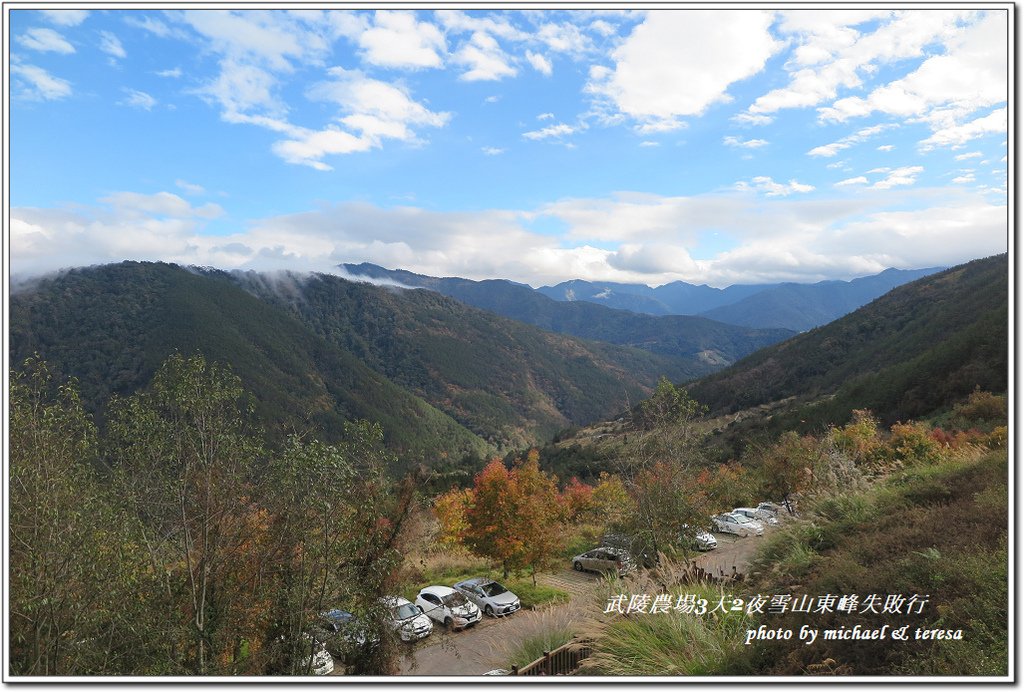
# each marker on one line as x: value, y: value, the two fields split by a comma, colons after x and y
x: 939, y: 531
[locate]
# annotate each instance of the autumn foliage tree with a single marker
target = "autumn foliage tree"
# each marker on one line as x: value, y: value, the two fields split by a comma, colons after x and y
x: 513, y: 516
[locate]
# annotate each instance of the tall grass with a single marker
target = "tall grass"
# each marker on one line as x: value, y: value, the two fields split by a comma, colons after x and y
x: 537, y: 632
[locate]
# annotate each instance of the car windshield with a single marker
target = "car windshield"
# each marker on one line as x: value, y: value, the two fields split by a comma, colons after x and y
x: 454, y: 599
x: 405, y: 611
x: 493, y: 589
x: 740, y: 519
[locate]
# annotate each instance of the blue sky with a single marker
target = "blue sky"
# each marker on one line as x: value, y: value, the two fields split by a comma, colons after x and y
x: 714, y: 146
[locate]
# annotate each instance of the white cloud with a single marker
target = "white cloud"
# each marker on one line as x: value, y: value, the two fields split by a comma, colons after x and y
x: 899, y: 176
x: 830, y: 150
x: 39, y: 85
x: 370, y: 111
x: 546, y: 116
x: 66, y: 17
x: 111, y: 45
x: 859, y: 180
x: 971, y: 155
x: 681, y: 63
x: 971, y: 74
x: 484, y: 58
x: 559, y: 130
x: 770, y: 188
x: 563, y: 38
x: 886, y: 147
x: 832, y: 54
x: 752, y: 119
x: 398, y: 39
x: 643, y: 238
x: 190, y: 188
x: 45, y: 40
x: 173, y: 73
x: 155, y: 26
x: 492, y: 151
x: 732, y: 141
x: 965, y: 178
x: 649, y: 143
x: 539, y: 63
x: 957, y: 136
x: 138, y: 99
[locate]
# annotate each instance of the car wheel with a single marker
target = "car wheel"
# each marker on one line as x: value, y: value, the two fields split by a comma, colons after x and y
x: 577, y: 566
x: 489, y: 611
x: 449, y: 624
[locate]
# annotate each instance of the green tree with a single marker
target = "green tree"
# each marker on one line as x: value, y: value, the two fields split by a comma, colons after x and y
x: 184, y: 459
x: 70, y: 555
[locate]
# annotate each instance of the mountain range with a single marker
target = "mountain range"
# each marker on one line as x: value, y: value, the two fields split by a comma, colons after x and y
x: 444, y: 379
x: 708, y: 344
x: 784, y: 305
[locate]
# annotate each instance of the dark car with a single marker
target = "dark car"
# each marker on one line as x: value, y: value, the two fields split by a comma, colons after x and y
x: 343, y: 634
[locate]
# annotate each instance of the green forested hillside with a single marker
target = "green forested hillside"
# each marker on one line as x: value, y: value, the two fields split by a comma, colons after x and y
x: 905, y: 355
x: 112, y: 326
x: 444, y: 379
x: 511, y: 383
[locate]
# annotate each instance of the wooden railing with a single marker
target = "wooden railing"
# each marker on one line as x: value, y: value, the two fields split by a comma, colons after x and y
x: 562, y: 661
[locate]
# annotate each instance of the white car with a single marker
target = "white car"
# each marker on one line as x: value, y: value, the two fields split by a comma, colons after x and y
x: 737, y: 524
x: 320, y: 662
x: 493, y: 598
x: 449, y: 607
x: 698, y: 537
x: 766, y: 518
x: 410, y: 623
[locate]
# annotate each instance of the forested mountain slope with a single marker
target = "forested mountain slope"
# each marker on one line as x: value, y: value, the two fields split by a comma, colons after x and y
x: 906, y: 354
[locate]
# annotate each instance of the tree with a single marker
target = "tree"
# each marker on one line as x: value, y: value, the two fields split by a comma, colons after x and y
x: 538, y: 520
x: 450, y: 509
x: 660, y: 467
x: 515, y: 516
x: 70, y: 555
x: 788, y: 466
x: 184, y: 459
x: 491, y: 517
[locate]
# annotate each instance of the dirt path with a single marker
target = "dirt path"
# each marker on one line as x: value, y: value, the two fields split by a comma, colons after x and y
x: 486, y: 646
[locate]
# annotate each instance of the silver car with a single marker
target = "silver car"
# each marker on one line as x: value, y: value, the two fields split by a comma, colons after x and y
x: 737, y: 524
x: 490, y: 596
x: 604, y: 560
x: 766, y: 518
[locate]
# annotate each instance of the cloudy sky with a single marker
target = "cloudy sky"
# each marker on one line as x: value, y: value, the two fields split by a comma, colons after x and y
x: 713, y: 146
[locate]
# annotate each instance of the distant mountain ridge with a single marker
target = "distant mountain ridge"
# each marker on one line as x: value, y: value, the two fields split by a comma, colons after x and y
x: 794, y: 306
x: 706, y: 344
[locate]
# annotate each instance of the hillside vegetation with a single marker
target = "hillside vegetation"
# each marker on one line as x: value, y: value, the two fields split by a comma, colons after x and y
x: 907, y: 354
x: 111, y: 327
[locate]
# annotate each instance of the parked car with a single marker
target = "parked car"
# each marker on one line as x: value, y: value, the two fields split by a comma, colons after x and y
x: 314, y: 658
x: 639, y: 549
x: 771, y: 508
x: 342, y: 634
x: 604, y: 560
x: 490, y: 596
x: 408, y: 620
x: 698, y: 538
x: 449, y: 607
x: 766, y: 518
x: 737, y: 524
